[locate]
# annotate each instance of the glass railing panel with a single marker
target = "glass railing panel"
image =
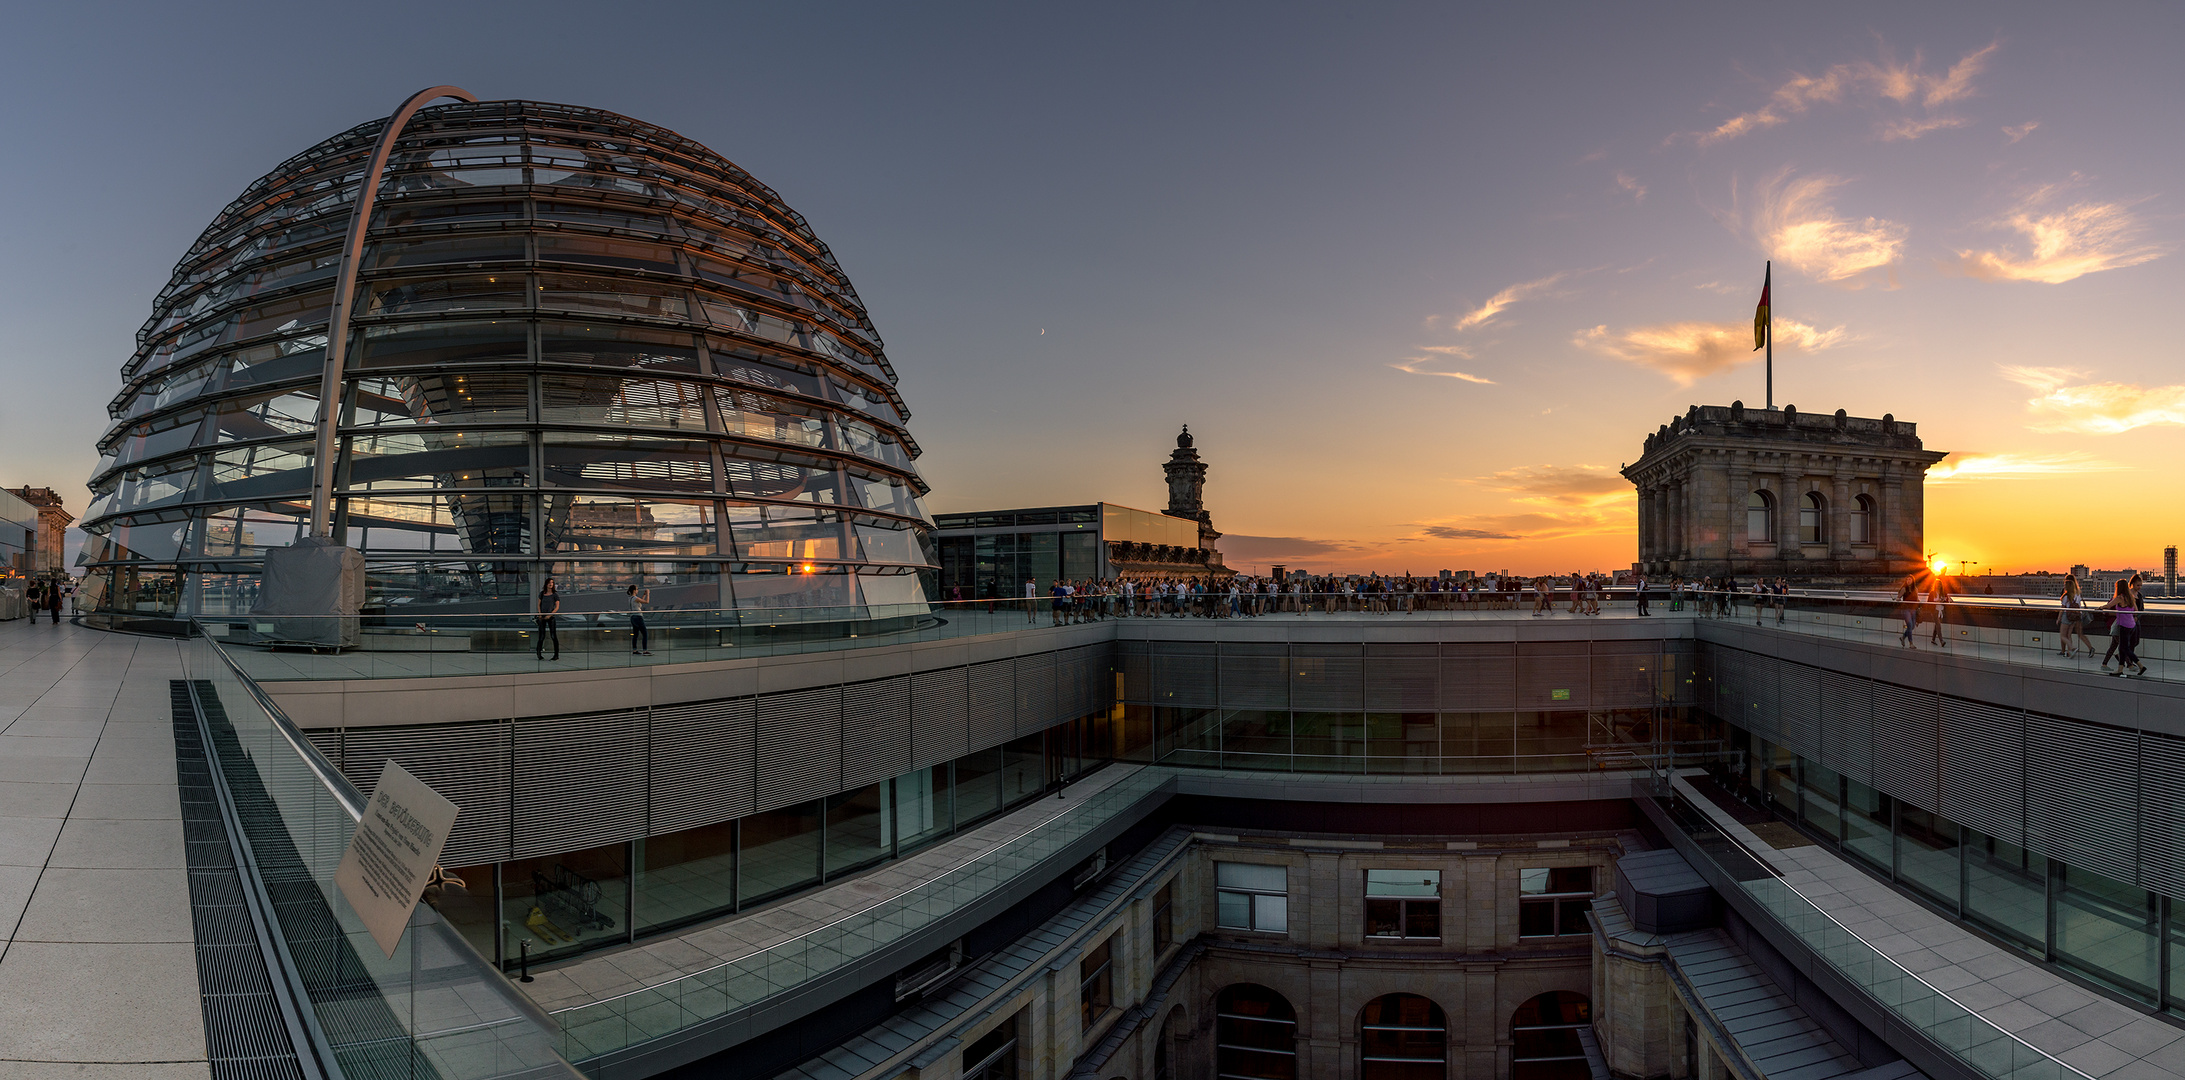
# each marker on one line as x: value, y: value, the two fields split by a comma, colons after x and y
x: 1963, y: 1032
x: 435, y: 1007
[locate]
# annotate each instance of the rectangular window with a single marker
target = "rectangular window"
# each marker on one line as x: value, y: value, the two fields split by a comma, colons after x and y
x: 1164, y: 918
x: 1554, y: 901
x: 1252, y: 897
x: 1096, y: 983
x: 1403, y: 903
x: 994, y: 1055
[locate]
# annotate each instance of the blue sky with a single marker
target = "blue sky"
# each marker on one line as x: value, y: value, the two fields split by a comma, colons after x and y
x: 1418, y: 277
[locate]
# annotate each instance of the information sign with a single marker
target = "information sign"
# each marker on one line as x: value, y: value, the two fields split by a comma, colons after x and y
x: 392, y: 855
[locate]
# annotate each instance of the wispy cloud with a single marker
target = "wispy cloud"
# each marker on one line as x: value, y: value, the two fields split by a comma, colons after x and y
x: 1870, y: 81
x: 2015, y: 132
x: 1688, y: 351
x: 1530, y: 526
x: 1241, y: 548
x: 1568, y: 485
x: 1911, y: 127
x: 1499, y: 302
x: 1631, y: 186
x: 1435, y: 360
x: 2066, y: 404
x: 1961, y: 468
x: 2062, y: 244
x: 1795, y: 221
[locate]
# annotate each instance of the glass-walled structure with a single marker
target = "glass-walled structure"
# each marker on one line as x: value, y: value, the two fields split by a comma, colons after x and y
x: 583, y: 346
x: 990, y: 554
x: 2115, y: 933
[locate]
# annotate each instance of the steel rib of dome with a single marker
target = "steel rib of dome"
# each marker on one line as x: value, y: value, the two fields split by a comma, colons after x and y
x: 582, y: 345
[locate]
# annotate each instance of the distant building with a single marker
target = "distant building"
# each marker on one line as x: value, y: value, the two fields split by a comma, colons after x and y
x: 2169, y: 570
x: 1746, y: 492
x: 52, y: 530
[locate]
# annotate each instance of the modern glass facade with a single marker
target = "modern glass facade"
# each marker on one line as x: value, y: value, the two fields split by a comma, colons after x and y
x: 582, y: 345
x: 2113, y: 933
x: 560, y: 905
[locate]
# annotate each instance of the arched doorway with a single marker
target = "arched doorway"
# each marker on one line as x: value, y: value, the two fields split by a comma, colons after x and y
x: 1544, y: 1037
x: 1402, y: 1037
x: 1255, y: 1035
x: 1165, y: 1050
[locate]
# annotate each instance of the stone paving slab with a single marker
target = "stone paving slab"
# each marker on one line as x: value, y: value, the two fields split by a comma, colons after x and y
x: 98, y: 965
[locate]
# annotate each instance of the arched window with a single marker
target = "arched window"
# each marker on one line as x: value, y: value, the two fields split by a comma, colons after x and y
x: 1165, y: 1050
x: 1403, y: 1037
x: 1544, y: 1038
x: 1760, y: 517
x: 1255, y: 1035
x: 1862, y: 520
x: 1811, y: 515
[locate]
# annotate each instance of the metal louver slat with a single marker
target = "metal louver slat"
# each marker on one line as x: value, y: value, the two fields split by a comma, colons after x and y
x: 1137, y: 671
x: 1763, y: 697
x: 1327, y: 678
x: 2162, y: 816
x: 1847, y: 730
x: 1554, y: 675
x: 1625, y: 679
x: 1036, y: 675
x: 1184, y: 675
x: 1798, y: 697
x: 1402, y: 677
x: 800, y: 742
x: 328, y: 742
x: 580, y: 781
x: 467, y: 763
x: 1255, y: 675
x: 940, y: 712
x: 993, y: 703
x: 1479, y: 676
x: 1983, y: 773
x: 1731, y: 701
x: 2081, y: 794
x: 875, y: 731
x: 703, y: 763
x: 1906, y: 733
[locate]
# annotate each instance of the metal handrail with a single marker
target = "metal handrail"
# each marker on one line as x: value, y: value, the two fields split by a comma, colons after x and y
x: 1693, y: 795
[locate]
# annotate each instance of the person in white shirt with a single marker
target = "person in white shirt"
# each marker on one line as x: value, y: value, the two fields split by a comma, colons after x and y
x: 635, y: 601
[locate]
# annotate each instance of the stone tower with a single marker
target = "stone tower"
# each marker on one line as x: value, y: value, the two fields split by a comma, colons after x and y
x: 1187, y: 494
x: 1780, y: 493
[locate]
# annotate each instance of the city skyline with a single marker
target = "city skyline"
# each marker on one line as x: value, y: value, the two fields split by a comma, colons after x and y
x: 1418, y: 293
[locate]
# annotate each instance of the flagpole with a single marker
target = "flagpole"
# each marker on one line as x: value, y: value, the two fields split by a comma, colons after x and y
x: 1768, y: 276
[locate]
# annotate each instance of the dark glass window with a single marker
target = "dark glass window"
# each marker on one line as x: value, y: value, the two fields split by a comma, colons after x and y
x: 1544, y: 1041
x: 994, y: 1055
x: 1255, y: 1034
x: 1553, y: 901
x: 1403, y: 1037
x: 1164, y: 918
x: 1403, y: 903
x: 1096, y: 983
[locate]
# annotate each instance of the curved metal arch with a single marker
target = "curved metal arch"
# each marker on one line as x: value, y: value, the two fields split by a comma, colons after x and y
x: 345, y: 287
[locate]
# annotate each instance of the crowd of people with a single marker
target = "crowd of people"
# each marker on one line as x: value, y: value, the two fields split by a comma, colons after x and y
x: 1246, y: 596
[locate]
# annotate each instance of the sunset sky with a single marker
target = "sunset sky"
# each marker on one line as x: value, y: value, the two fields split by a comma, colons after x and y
x: 1419, y: 278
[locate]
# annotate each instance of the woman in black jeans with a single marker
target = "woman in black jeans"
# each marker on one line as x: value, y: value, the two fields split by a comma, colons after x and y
x: 549, y: 604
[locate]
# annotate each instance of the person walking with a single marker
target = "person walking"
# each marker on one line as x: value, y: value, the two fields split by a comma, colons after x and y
x: 1638, y: 592
x: 2071, y: 619
x: 1908, y: 606
x: 549, y: 623
x: 2124, y: 607
x: 640, y: 638
x: 1940, y: 594
x: 1061, y: 602
x: 53, y: 601
x: 1031, y: 600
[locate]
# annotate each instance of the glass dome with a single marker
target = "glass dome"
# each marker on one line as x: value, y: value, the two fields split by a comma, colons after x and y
x: 582, y: 346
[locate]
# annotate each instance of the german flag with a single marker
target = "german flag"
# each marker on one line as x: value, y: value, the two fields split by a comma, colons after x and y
x: 1761, y: 325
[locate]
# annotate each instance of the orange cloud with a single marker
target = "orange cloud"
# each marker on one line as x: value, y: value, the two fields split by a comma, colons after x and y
x: 1530, y: 526
x: 2060, y: 245
x: 1500, y: 301
x: 1963, y: 467
x: 1688, y: 351
x: 1795, y: 223
x: 1570, y: 485
x: 1904, y: 84
x: 1434, y: 356
x: 2101, y: 408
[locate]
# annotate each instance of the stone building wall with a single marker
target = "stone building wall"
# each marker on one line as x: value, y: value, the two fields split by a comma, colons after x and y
x: 1698, y: 472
